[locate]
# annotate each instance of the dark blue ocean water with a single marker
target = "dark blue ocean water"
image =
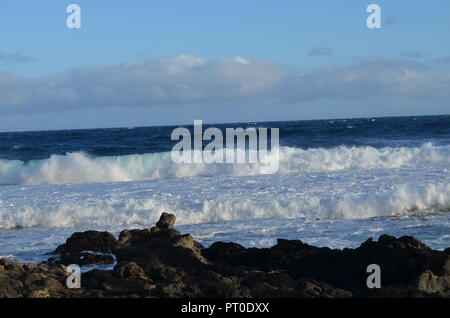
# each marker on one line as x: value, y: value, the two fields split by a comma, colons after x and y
x: 375, y: 132
x: 339, y: 182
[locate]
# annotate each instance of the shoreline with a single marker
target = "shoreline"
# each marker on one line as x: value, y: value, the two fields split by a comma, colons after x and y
x: 162, y: 262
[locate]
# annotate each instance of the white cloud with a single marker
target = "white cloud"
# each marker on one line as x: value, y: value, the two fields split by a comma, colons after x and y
x: 241, y: 60
x: 187, y: 79
x: 367, y: 77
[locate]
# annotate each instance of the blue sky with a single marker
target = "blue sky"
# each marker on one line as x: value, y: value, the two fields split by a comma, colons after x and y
x: 237, y: 61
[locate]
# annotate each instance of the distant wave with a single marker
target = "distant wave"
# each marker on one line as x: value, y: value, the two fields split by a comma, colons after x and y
x: 79, y: 167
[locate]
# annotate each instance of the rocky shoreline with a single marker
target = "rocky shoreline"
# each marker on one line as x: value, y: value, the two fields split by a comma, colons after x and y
x: 162, y: 262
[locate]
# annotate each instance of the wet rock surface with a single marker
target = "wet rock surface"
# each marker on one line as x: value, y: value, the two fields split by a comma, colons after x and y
x: 162, y: 262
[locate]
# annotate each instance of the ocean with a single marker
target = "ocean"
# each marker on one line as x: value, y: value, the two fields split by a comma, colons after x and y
x: 340, y: 182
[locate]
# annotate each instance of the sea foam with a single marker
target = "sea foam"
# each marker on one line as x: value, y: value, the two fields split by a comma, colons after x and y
x: 340, y: 195
x: 78, y: 167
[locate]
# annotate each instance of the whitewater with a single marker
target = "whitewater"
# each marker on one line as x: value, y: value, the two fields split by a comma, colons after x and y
x: 78, y: 167
x: 331, y: 193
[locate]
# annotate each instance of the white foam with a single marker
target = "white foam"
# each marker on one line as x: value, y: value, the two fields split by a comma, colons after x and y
x: 339, y: 195
x: 79, y: 167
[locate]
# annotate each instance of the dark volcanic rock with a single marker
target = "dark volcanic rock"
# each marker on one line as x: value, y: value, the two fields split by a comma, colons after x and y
x: 161, y: 262
x: 161, y: 246
x: 10, y: 288
x: 94, y: 241
x: 31, y: 280
x: 86, y: 248
x: 281, y: 285
x: 166, y: 221
x: 401, y: 243
x: 129, y: 271
x: 401, y: 260
x: 431, y: 284
x: 281, y: 256
x: 82, y: 259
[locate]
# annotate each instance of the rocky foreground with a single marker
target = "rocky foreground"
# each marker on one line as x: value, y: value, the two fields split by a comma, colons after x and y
x: 161, y: 262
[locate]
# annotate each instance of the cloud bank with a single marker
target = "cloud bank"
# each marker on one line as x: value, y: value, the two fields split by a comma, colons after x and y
x: 186, y: 79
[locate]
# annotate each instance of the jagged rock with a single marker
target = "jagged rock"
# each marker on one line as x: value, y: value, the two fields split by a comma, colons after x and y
x: 159, y: 247
x: 429, y: 283
x: 314, y: 289
x: 401, y: 261
x: 129, y: 271
x: 109, y: 284
x: 10, y: 288
x: 98, y: 279
x: 213, y: 284
x: 171, y: 290
x: 282, y: 285
x: 166, y: 221
x: 30, y: 280
x: 160, y: 272
x: 131, y: 237
x: 86, y: 248
x: 41, y: 293
x: 281, y: 256
x: 402, y: 242
x: 82, y: 259
x: 93, y: 241
x: 11, y: 267
x: 235, y: 255
x: 222, y: 251
x: 34, y: 281
x: 161, y: 262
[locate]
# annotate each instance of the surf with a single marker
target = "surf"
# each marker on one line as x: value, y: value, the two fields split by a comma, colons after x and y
x: 80, y: 168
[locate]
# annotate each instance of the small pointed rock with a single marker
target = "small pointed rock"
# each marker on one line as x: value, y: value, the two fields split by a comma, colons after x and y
x: 166, y: 221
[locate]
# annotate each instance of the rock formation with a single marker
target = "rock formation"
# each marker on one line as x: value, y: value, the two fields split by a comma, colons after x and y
x: 162, y: 262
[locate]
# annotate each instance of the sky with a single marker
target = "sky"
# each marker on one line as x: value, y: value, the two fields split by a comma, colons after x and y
x: 145, y: 62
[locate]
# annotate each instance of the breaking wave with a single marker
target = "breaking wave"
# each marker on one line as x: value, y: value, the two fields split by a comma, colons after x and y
x: 94, y: 208
x: 79, y: 167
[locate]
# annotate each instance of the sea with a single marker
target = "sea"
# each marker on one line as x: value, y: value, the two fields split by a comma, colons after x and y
x: 339, y: 182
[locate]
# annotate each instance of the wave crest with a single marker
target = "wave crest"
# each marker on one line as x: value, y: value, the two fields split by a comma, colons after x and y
x: 142, y: 205
x: 79, y: 167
